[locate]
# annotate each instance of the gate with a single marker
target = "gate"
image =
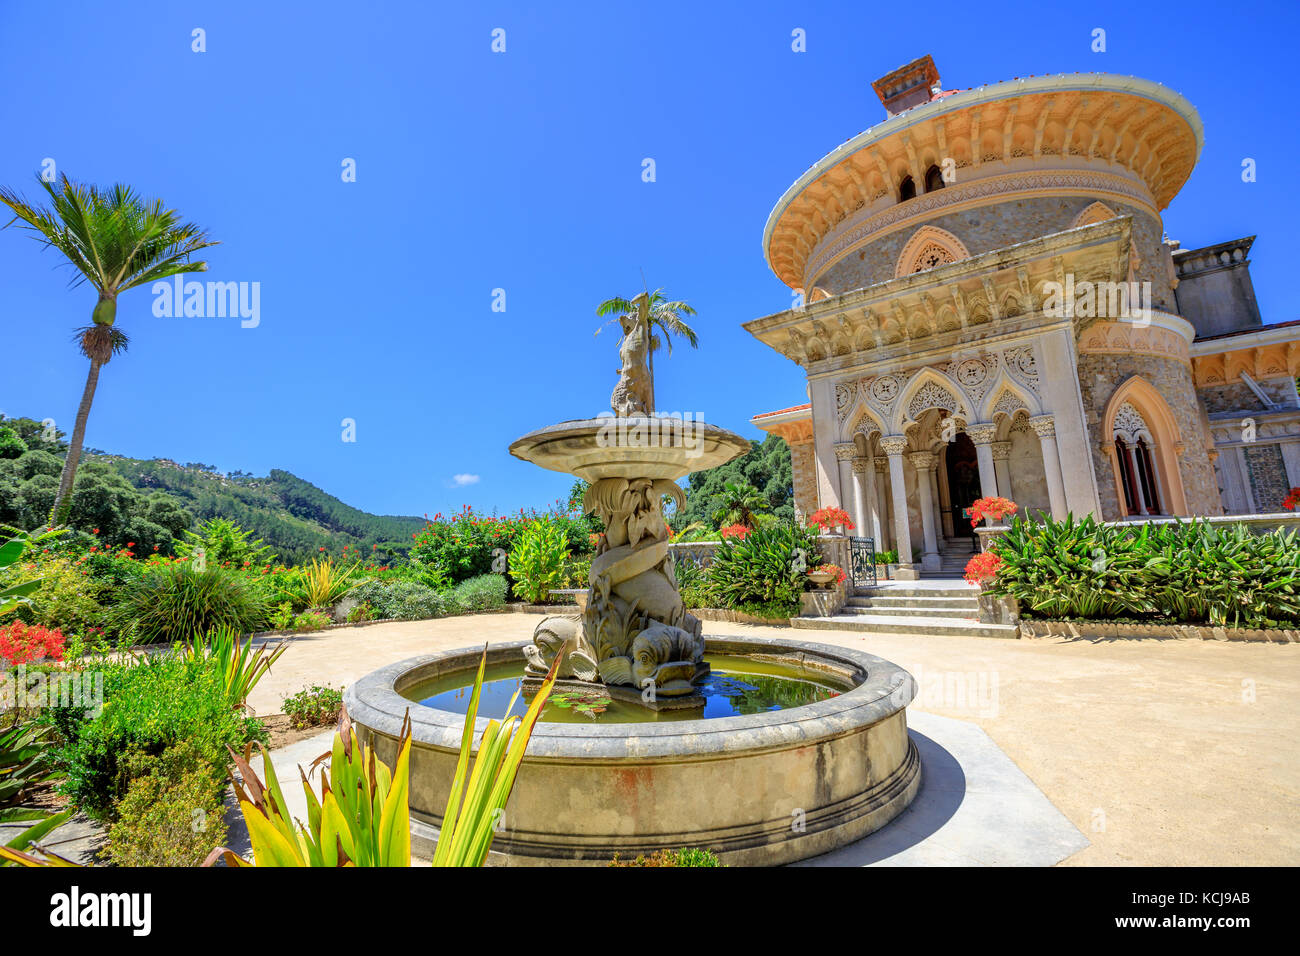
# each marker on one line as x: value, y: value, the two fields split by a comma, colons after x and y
x: 862, y: 557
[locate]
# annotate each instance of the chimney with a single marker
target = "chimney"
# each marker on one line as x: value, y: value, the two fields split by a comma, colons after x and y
x: 908, y: 86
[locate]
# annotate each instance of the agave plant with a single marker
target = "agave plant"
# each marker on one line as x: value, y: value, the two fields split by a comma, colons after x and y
x: 319, y: 584
x: 242, y: 665
x: 363, y: 817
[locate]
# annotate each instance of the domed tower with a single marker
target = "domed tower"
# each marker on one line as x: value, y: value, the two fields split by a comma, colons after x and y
x: 985, y: 305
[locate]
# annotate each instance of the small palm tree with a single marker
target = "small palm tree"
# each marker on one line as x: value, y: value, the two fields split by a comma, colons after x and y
x: 115, y: 241
x: 739, y: 503
x: 663, y: 314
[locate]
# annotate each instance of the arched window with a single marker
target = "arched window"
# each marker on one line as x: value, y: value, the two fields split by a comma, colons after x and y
x: 906, y: 189
x: 933, y: 179
x: 1137, y: 470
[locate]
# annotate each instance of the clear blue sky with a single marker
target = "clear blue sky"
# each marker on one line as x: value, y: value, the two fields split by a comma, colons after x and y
x: 519, y: 171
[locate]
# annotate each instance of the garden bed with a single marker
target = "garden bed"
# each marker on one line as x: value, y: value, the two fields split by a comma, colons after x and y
x: 729, y: 616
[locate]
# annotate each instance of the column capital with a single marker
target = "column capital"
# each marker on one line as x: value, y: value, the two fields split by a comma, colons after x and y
x: 982, y: 433
x: 893, y: 445
x: 922, y: 459
x: 882, y: 465
x: 1044, y: 426
x: 845, y: 450
x: 860, y: 465
x: 1001, y: 450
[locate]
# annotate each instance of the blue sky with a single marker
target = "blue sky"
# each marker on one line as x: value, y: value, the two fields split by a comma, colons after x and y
x: 519, y: 171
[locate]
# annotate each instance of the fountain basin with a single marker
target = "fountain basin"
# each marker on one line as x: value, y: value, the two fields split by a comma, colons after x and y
x: 635, y: 447
x: 757, y: 789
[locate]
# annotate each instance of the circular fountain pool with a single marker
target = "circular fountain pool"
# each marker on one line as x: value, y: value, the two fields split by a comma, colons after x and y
x: 801, y: 748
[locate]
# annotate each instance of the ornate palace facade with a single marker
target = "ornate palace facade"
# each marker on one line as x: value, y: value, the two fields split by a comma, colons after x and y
x: 990, y: 307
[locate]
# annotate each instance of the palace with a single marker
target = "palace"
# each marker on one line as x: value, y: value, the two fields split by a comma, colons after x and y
x: 938, y: 259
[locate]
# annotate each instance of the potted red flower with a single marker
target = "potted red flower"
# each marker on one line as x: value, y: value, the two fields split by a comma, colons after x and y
x: 992, y: 508
x: 1292, y: 500
x: 827, y: 575
x: 830, y: 518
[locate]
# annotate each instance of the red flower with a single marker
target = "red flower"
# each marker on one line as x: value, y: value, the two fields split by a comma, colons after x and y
x: 95, y: 531
x: 21, y: 643
x: 983, y: 568
x: 1292, y: 500
x: 130, y: 544
x: 737, y: 531
x: 995, y: 508
x: 831, y: 517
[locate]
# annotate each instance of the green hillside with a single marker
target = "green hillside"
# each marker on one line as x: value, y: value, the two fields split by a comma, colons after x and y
x: 152, y: 501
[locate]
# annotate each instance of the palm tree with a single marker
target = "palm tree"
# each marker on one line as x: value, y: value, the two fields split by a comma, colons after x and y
x: 115, y: 241
x: 663, y: 314
x: 739, y: 503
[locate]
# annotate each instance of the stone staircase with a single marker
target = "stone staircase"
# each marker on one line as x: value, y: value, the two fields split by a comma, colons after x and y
x: 956, y: 553
x: 935, y: 605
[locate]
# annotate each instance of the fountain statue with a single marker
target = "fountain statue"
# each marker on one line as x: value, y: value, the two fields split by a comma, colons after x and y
x: 634, y: 638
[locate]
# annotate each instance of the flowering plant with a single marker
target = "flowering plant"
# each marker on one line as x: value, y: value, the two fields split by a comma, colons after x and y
x: 834, y: 569
x: 21, y: 643
x: 982, y: 568
x: 1292, y: 500
x: 830, y: 517
x: 737, y: 531
x: 995, y: 508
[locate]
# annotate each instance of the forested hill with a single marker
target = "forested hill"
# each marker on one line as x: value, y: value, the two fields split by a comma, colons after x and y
x: 130, y: 499
x: 290, y: 514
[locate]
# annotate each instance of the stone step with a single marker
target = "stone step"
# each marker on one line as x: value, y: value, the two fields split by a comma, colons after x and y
x: 962, y: 613
x: 920, y: 626
x: 912, y: 592
x: 889, y: 600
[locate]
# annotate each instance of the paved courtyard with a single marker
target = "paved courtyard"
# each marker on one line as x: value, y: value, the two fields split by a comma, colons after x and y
x: 1159, y: 752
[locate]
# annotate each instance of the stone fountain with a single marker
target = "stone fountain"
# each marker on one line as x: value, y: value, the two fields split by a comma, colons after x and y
x: 634, y: 639
x: 766, y: 787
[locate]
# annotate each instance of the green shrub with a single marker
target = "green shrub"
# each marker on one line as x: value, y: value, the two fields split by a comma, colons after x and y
x: 281, y: 619
x: 361, y: 613
x: 173, y: 602
x: 172, y: 812
x: 313, y: 706
x: 537, y: 560
x: 67, y: 598
x: 690, y: 856
x: 11, y: 445
x: 149, y: 706
x: 768, y: 566
x: 224, y: 543
x: 1187, y: 572
x: 311, y: 621
x: 483, y: 593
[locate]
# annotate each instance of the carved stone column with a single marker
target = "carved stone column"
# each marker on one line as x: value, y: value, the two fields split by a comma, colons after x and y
x: 1045, y: 427
x: 844, y: 452
x: 861, y: 514
x: 1002, y: 466
x: 982, y: 435
x: 894, y: 446
x: 923, y: 462
x: 882, y: 527
x: 1135, y: 478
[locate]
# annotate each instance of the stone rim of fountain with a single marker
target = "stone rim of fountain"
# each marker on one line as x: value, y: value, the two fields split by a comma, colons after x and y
x: 376, y: 702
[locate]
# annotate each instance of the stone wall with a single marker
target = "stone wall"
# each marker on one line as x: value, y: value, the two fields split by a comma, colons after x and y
x: 804, y: 466
x: 1237, y: 396
x: 1100, y: 376
x: 985, y: 228
x: 1267, y: 471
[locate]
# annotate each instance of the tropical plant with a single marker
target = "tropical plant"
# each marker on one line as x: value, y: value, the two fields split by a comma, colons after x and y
x: 363, y: 817
x: 768, y: 566
x: 11, y: 596
x: 739, y: 504
x: 241, y: 665
x: 172, y: 603
x: 537, y: 559
x: 223, y: 542
x: 664, y: 315
x: 320, y: 584
x: 115, y: 240
x: 26, y: 762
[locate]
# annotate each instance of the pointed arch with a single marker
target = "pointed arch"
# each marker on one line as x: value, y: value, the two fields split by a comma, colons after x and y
x: 861, y: 420
x: 1005, y: 397
x: 929, y: 388
x: 929, y: 244
x: 1161, y: 428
